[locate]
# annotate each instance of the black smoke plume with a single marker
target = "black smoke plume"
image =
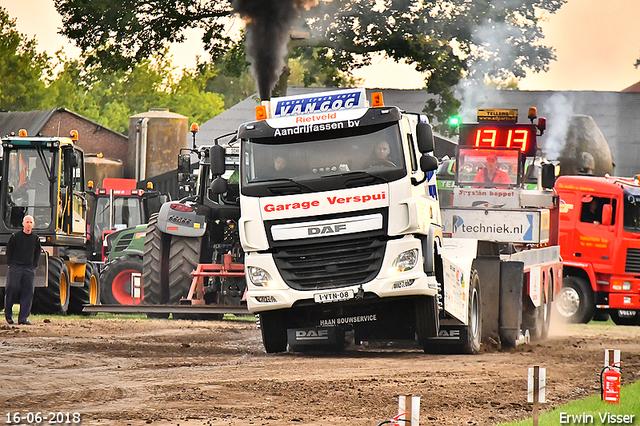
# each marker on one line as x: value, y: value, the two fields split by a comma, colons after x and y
x: 268, y: 23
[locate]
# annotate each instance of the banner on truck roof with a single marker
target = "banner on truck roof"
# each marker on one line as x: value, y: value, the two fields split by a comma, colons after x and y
x: 314, y: 103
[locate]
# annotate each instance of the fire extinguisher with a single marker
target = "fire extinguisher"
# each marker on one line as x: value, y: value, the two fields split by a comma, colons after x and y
x: 610, y: 383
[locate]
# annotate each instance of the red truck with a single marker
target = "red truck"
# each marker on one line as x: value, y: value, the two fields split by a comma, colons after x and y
x: 600, y: 247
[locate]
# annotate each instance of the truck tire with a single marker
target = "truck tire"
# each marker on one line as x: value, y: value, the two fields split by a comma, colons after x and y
x: 538, y: 320
x: 184, y: 256
x: 88, y: 294
x: 53, y: 299
x: 620, y: 320
x: 274, y: 331
x: 427, y: 321
x: 115, y: 280
x: 474, y: 335
x: 575, y: 301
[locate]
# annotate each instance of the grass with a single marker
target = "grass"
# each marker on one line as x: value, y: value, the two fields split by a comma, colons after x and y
x: 592, y: 406
x: 110, y: 316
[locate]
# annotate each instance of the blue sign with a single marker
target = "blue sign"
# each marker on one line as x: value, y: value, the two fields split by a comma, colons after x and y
x: 318, y: 103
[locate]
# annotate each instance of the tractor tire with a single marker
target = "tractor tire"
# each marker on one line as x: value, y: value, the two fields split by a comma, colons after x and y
x: 274, y: 331
x: 184, y: 256
x: 575, y: 302
x: 88, y: 294
x: 53, y: 299
x: 1, y: 298
x: 154, y: 292
x: 115, y: 280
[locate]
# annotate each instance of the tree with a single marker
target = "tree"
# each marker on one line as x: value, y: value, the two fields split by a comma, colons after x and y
x: 447, y: 40
x: 111, y: 97
x: 23, y: 71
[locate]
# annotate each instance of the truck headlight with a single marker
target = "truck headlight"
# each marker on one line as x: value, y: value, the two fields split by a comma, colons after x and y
x: 406, y: 260
x: 258, y: 276
x: 626, y: 286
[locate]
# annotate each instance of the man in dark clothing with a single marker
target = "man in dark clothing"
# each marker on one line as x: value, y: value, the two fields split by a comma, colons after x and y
x: 23, y: 255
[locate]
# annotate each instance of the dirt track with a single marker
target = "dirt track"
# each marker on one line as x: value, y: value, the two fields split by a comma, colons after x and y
x: 162, y: 372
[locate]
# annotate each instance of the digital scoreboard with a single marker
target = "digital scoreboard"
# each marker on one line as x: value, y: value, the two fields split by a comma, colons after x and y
x: 500, y: 135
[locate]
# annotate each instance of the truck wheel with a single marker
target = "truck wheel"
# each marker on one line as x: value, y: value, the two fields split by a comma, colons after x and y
x: 427, y: 321
x: 620, y: 320
x: 474, y: 334
x: 53, y: 299
x: 274, y: 331
x: 575, y: 302
x: 538, y: 320
x: 88, y: 294
x: 184, y: 256
x: 115, y: 281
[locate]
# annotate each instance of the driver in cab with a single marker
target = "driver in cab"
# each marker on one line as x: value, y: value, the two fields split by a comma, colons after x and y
x: 380, y: 156
x: 491, y: 173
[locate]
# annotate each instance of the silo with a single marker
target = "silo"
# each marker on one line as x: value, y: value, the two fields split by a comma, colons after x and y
x: 155, y: 140
x: 96, y: 168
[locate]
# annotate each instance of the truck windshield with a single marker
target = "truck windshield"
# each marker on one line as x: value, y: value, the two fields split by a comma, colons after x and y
x: 370, y: 154
x: 631, y: 211
x: 28, y: 190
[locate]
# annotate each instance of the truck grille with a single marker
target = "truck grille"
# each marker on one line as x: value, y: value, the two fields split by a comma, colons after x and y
x: 632, y: 265
x: 330, y: 264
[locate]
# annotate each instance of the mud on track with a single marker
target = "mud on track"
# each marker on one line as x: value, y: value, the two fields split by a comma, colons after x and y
x: 190, y: 373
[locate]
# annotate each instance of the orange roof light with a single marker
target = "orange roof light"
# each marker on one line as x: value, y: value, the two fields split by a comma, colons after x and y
x: 261, y: 112
x: 376, y: 100
x: 73, y: 135
x: 90, y: 185
x: 194, y: 127
x: 533, y: 113
x: 149, y: 185
x: 22, y: 133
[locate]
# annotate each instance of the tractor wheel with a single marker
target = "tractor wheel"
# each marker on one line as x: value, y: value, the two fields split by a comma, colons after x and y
x: 274, y: 331
x: 88, y: 294
x: 184, y: 256
x: 155, y: 265
x: 154, y: 292
x: 53, y: 299
x: 115, y: 281
x: 575, y: 302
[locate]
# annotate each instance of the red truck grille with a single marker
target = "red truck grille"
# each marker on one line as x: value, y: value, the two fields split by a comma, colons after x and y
x: 632, y: 265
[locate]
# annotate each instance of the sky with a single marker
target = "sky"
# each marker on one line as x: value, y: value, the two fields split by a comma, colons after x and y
x: 597, y: 43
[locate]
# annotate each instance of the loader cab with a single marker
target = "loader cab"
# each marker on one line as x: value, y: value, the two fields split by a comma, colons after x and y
x: 44, y: 177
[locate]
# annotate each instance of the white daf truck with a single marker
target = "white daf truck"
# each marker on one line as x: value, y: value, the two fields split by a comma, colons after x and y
x: 340, y: 223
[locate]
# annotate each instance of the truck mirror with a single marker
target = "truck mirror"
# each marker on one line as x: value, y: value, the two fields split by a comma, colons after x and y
x: 219, y: 185
x: 216, y: 157
x: 424, y: 133
x: 428, y: 163
x: 184, y: 163
x: 606, y: 214
x: 547, y: 175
